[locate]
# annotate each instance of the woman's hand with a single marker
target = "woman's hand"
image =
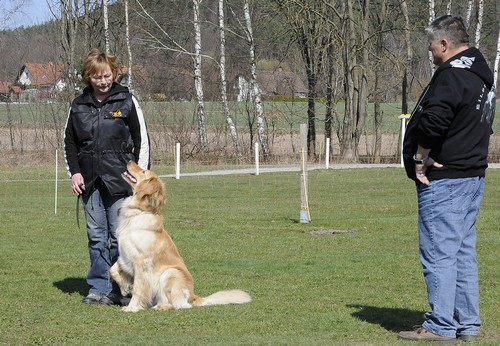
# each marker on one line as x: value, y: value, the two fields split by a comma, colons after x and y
x: 77, y: 184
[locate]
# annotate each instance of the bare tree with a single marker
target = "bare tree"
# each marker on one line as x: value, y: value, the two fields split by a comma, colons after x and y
x: 480, y: 11
x: 106, y: 24
x: 202, y: 131
x: 307, y: 21
x: 69, y: 28
x: 223, y: 81
x: 468, y: 13
x: 7, y: 9
x: 129, y: 48
x: 86, y: 25
x: 256, y: 92
x: 448, y: 7
x: 378, y: 113
x: 361, y: 77
x: 409, y: 55
x: 432, y: 16
x: 497, y: 59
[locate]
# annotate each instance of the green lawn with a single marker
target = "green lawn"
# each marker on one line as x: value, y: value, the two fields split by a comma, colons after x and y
x: 359, y: 286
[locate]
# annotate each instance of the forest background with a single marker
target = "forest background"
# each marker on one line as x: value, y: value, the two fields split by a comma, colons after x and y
x: 360, y: 64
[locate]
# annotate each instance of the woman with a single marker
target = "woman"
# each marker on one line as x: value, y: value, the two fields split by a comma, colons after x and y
x: 105, y: 129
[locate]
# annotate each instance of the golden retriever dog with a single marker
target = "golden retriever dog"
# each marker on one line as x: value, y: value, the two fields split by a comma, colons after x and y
x: 149, y: 265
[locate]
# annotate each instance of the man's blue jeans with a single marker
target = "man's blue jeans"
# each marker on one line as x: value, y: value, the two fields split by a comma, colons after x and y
x: 101, y: 213
x: 447, y: 211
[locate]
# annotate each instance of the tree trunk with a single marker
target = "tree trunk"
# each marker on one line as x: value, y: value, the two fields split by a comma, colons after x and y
x: 432, y: 16
x: 225, y: 107
x: 129, y: 48
x: 409, y: 55
x: 448, y: 7
x: 480, y: 11
x: 329, y: 93
x: 106, y: 24
x: 256, y: 92
x: 86, y: 25
x: 378, y: 113
x: 362, y: 98
x: 69, y: 28
x: 202, y: 131
x: 468, y: 14
x: 497, y: 59
x: 347, y: 148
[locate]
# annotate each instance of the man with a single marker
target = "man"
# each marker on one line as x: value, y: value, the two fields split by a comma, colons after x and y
x: 445, y: 152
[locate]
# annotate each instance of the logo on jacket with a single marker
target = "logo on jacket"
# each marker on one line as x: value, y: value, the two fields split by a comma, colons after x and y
x: 463, y: 62
x: 489, y: 106
x: 116, y: 114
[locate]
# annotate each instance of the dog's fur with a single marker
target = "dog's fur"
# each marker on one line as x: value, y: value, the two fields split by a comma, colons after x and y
x: 149, y: 265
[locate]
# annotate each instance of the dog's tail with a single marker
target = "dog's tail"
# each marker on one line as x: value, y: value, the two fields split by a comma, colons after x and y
x: 223, y: 298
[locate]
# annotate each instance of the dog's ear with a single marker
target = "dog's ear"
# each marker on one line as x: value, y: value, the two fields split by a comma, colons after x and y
x: 152, y: 193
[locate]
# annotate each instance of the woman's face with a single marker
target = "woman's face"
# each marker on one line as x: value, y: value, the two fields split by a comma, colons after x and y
x: 101, y: 83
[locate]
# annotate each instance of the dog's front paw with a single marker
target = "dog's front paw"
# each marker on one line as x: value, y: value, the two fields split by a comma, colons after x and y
x: 163, y: 307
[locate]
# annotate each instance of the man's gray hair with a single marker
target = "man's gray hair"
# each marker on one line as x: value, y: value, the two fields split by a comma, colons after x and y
x: 449, y: 27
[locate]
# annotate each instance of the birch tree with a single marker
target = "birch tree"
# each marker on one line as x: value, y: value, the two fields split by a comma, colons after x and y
x: 432, y: 16
x: 222, y: 68
x: 198, y: 85
x: 497, y: 59
x: 448, y: 7
x: 256, y: 92
x: 161, y: 40
x: 129, y: 48
x: 480, y: 11
x: 468, y: 13
x: 106, y: 25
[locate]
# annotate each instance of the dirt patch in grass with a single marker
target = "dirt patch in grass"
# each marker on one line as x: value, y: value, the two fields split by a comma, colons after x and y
x: 330, y: 231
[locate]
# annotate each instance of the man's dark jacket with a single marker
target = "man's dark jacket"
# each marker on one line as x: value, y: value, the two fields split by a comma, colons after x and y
x: 100, y: 139
x: 453, y: 119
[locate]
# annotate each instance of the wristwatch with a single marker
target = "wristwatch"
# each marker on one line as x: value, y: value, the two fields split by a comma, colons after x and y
x: 420, y: 162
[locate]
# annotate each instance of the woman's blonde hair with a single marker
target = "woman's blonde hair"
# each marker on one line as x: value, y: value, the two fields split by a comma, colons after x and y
x: 96, y: 62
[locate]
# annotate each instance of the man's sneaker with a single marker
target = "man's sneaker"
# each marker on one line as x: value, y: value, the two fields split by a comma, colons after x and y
x: 422, y: 334
x: 92, y: 298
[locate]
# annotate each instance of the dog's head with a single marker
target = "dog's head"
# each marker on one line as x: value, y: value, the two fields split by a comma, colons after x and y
x: 149, y: 190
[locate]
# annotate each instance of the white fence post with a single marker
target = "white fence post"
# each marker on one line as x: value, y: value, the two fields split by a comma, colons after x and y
x: 177, y: 160
x: 403, y: 118
x: 55, y: 194
x: 256, y: 153
x: 327, y: 153
x: 304, y: 202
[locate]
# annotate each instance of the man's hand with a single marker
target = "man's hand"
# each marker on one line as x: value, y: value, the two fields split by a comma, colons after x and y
x: 420, y: 170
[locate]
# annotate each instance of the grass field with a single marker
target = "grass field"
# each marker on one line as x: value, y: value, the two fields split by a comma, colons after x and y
x: 357, y: 283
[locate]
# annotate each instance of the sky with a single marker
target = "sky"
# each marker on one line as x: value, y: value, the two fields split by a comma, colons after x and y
x: 31, y: 13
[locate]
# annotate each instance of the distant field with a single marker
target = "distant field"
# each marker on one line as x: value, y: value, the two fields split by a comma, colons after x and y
x: 278, y: 114
x: 36, y: 130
